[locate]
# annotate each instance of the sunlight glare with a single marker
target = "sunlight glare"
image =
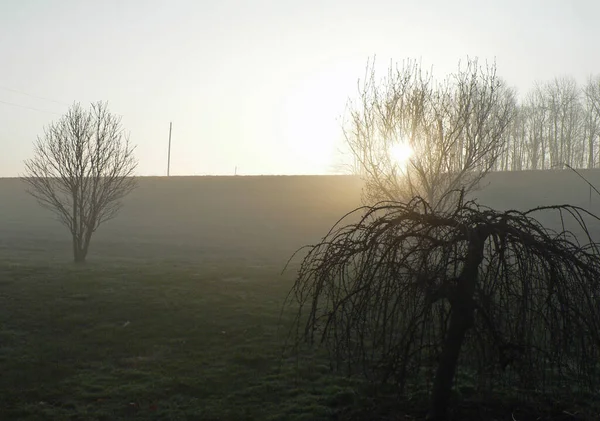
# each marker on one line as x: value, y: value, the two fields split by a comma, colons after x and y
x: 401, y: 153
x: 309, y: 116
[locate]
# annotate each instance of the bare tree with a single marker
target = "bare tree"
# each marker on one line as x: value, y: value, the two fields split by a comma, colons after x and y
x: 591, y: 93
x: 404, y: 294
x: 514, y: 143
x: 537, y: 120
x: 455, y: 128
x: 564, y: 128
x: 82, y: 167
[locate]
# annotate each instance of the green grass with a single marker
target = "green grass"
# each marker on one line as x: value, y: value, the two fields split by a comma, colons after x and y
x: 163, y: 341
x: 125, y: 342
x: 177, y: 319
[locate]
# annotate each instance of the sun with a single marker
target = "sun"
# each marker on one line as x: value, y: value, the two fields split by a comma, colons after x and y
x: 400, y: 153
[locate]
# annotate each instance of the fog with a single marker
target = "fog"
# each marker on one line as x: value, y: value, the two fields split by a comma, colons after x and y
x: 196, y: 219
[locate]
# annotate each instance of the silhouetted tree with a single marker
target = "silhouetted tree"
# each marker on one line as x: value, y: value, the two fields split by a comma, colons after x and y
x: 82, y: 167
x: 455, y: 127
x: 408, y: 293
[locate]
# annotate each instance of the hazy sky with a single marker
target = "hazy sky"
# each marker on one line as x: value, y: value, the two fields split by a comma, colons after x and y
x: 257, y: 84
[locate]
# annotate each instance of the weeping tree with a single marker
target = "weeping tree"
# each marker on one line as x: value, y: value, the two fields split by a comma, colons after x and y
x: 82, y: 168
x: 403, y: 293
x: 455, y: 127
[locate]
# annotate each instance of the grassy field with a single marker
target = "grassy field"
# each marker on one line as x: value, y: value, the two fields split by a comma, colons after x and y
x: 177, y: 315
x: 154, y: 342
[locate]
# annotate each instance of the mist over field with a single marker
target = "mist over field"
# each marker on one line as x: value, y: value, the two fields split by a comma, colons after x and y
x: 265, y: 218
x: 194, y: 152
x: 189, y: 218
x: 178, y: 314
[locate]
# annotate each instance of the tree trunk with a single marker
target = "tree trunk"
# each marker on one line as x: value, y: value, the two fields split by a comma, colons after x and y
x: 591, y: 150
x: 79, y: 256
x: 79, y: 252
x: 86, y: 244
x: 461, y: 320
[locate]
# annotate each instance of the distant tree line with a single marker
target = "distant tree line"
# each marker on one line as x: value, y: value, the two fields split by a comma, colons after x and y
x: 555, y: 123
x: 462, y: 126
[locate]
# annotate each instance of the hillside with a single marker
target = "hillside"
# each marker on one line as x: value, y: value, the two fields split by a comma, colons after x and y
x: 190, y: 217
x: 195, y: 218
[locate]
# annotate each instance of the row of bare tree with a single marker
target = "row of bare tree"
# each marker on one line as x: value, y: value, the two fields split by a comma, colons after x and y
x: 463, y: 126
x: 557, y: 123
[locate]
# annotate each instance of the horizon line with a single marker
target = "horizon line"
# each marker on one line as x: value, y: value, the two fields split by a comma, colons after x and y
x: 224, y: 175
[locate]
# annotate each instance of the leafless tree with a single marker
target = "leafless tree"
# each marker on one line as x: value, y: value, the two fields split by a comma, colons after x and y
x: 404, y: 294
x: 537, y: 118
x: 564, y: 128
x: 455, y: 127
x: 514, y: 143
x: 82, y: 167
x: 591, y: 93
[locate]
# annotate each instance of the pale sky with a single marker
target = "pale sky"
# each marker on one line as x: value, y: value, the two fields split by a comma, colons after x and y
x: 257, y: 84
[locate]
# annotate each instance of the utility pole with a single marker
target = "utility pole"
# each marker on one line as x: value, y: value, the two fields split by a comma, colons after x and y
x: 169, y: 155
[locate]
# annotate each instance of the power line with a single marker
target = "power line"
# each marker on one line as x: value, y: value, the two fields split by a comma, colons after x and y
x: 37, y: 109
x: 33, y: 96
x: 29, y: 108
x: 37, y: 97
